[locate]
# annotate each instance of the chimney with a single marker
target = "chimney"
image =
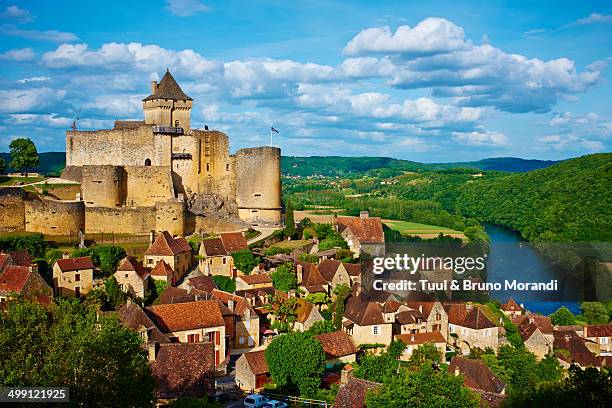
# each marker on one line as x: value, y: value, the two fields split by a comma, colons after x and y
x: 457, y: 370
x: 230, y: 305
x: 65, y: 256
x: 151, y: 237
x: 364, y: 214
x: 152, y: 348
x: 153, y: 87
x: 345, y: 373
x: 299, y: 272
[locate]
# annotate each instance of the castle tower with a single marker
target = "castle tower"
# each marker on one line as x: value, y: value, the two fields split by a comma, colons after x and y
x: 168, y: 105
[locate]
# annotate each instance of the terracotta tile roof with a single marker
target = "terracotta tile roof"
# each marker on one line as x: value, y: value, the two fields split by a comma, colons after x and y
x: 527, y: 330
x: 311, y: 276
x: 75, y: 264
x: 257, y: 362
x: 421, y: 338
x: 162, y: 269
x: 476, y: 319
x: 186, y: 316
x: 133, y: 317
x: 520, y: 319
x: 240, y: 303
x: 511, y: 306
x: 409, y: 317
x: 166, y: 245
x: 424, y: 307
x: 130, y: 264
x: 576, y: 346
x: 476, y: 375
x: 5, y: 259
x: 391, y: 306
x: 256, y: 279
x: 213, y: 247
x: 353, y: 269
x: 543, y: 322
x: 353, y: 393
x: 363, y: 312
x: 598, y: 330
x: 303, y: 311
x: 234, y: 241
x: 21, y: 258
x: 183, y: 244
x: 328, y: 268
x: 173, y: 294
x: 168, y: 89
x: 204, y: 283
x: 336, y: 344
x: 456, y: 313
x: 365, y: 229
x: 14, y: 278
x: 184, y: 370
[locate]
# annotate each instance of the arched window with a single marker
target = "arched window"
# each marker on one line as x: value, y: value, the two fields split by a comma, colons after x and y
x: 147, y: 162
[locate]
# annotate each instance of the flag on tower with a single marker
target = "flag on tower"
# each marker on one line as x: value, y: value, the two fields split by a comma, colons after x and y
x: 273, y: 130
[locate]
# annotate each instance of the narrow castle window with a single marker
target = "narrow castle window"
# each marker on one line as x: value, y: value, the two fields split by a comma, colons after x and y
x: 227, y: 167
x: 207, y: 166
x: 207, y: 151
x: 147, y: 162
x: 257, y: 195
x: 176, y: 123
x: 206, y: 139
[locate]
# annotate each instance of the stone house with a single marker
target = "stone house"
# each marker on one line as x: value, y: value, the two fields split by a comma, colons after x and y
x: 193, y: 322
x: 73, y: 277
x: 363, y: 234
x: 244, y: 330
x: 415, y: 340
x: 163, y: 272
x: 336, y: 272
x: 573, y: 349
x: 252, y: 371
x: 535, y: 340
x: 543, y: 323
x: 132, y: 277
x: 469, y: 327
x: 476, y: 375
x: 176, y: 252
x: 24, y: 281
x: 511, y: 308
x: 338, y: 348
x: 214, y: 259
x: 307, y: 315
x: 434, y: 315
x: 600, y: 334
x: 234, y: 241
x: 309, y: 278
x: 134, y: 317
x: 253, y: 281
x: 363, y: 320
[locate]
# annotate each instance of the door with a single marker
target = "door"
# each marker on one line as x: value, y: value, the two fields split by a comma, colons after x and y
x: 77, y: 292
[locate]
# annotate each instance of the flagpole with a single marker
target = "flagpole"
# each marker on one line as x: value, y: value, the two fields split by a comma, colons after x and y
x: 270, y: 136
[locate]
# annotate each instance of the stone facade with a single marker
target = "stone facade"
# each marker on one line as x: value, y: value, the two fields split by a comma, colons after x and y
x: 378, y: 333
x: 72, y: 277
x: 468, y: 338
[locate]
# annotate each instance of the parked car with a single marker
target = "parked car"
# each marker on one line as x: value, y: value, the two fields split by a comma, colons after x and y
x: 275, y: 404
x: 255, y: 401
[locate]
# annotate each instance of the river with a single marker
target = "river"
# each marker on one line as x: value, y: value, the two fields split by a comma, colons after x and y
x: 511, y: 257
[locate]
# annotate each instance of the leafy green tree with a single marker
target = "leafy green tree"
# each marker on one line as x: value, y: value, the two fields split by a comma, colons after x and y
x: 322, y: 326
x: 225, y: 283
x: 2, y: 165
x: 333, y: 241
x: 105, y: 257
x: 341, y: 292
x: 23, y: 155
x: 35, y: 244
x: 595, y: 312
x: 377, y: 368
x: 521, y: 366
x: 425, y: 388
x: 549, y: 369
x: 476, y: 235
x: 296, y: 362
x: 283, y: 278
x: 425, y: 353
x: 116, y: 297
x: 245, y: 261
x: 68, y: 346
x: 306, y: 222
x: 317, y: 298
x: 285, y: 313
x: 562, y: 317
x: 323, y: 230
x: 289, y: 221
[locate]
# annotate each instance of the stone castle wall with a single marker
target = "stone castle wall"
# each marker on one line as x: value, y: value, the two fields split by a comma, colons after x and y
x: 54, y: 217
x: 170, y: 216
x: 147, y: 185
x: 12, y: 210
x: 103, y: 186
x: 122, y: 220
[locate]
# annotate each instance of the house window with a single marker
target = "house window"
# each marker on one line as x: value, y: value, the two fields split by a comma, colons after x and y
x: 487, y: 333
x: 451, y: 328
x: 224, y: 261
x: 211, y: 336
x: 176, y: 123
x: 603, y: 340
x: 193, y: 338
x: 207, y: 166
x: 375, y: 330
x: 150, y: 261
x: 206, y: 139
x: 77, y: 277
x: 147, y: 162
x: 207, y: 151
x: 241, y: 340
x: 227, y: 167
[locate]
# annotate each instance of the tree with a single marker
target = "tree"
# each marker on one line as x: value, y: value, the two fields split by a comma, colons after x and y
x: 289, y: 221
x: 116, y: 297
x: 225, y: 283
x: 68, y: 346
x: 549, y: 369
x: 245, y: 261
x: 2, y: 165
x: 317, y: 298
x: 595, y: 312
x: 105, y: 257
x: 284, y: 312
x: 334, y: 240
x: 425, y: 353
x: 322, y: 326
x: 396, y: 348
x: 296, y: 362
x: 377, y: 368
x: 341, y: 292
x: 562, y: 317
x: 423, y: 388
x: 23, y: 154
x: 283, y: 278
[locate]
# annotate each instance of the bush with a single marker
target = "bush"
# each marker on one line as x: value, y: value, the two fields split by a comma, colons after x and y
x: 35, y: 244
x: 105, y: 257
x: 562, y: 317
x: 277, y: 250
x: 245, y: 261
x: 225, y: 283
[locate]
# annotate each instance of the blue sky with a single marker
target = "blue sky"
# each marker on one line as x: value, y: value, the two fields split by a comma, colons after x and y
x: 443, y: 81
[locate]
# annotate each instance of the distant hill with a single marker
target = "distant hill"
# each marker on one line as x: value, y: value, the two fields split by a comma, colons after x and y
x: 51, y: 163
x: 510, y: 164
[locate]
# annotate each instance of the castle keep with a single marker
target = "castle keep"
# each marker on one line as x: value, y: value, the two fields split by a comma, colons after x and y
x: 160, y: 174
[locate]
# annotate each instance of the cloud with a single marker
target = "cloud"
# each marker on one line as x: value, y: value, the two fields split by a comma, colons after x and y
x: 16, y: 14
x: 50, y: 35
x: 33, y: 79
x: 27, y: 100
x: 481, y: 138
x: 19, y: 55
x: 184, y: 8
x: 593, y: 18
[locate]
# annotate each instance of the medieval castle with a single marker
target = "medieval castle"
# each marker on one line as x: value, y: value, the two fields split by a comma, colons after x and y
x: 157, y: 174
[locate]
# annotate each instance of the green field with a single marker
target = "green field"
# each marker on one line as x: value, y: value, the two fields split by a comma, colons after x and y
x: 297, y: 243
x: 414, y: 228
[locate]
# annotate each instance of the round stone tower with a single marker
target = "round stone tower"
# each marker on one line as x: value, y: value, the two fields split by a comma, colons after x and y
x: 103, y: 186
x: 258, y: 185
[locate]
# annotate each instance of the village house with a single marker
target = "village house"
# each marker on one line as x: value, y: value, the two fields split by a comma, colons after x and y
x: 244, y: 320
x: 338, y: 348
x: 336, y: 272
x: 132, y: 277
x: 233, y: 241
x: 253, y: 281
x: 306, y: 315
x: 415, y: 340
x: 545, y: 328
x: 477, y: 376
x: 363, y: 234
x: 182, y: 370
x: 434, y: 315
x: 573, y: 349
x: 469, y: 327
x: 134, y: 317
x: 24, y: 281
x: 163, y: 272
x: 600, y: 334
x: 363, y: 320
x: 252, y: 371
x: 176, y: 252
x: 352, y: 393
x: 193, y: 322
x: 73, y: 277
x: 172, y: 294
x: 309, y: 278
x: 17, y: 258
x: 535, y: 340
x: 511, y: 308
x: 203, y: 283
x: 214, y: 259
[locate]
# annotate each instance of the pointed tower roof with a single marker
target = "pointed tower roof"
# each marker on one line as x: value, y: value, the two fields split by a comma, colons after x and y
x: 168, y: 89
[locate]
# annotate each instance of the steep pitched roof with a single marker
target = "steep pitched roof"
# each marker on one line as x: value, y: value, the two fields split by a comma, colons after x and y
x: 168, y: 89
x: 205, y: 283
x: 166, y: 245
x: 233, y: 241
x: 311, y: 277
x: 368, y: 229
x: 424, y: 307
x: 421, y: 338
x: 303, y: 311
x: 363, y: 312
x: 21, y: 258
x: 256, y: 279
x: 240, y: 303
x: 257, y: 362
x: 162, y: 269
x: 391, y: 306
x: 543, y: 322
x: 456, y: 313
x: 213, y: 247
x: 336, y: 344
x: 133, y: 317
x: 173, y: 294
x: 5, y: 260
x: 75, y: 264
x: 328, y: 268
x: 408, y: 316
x: 186, y: 316
x: 598, y: 330
x: 353, y: 393
x: 130, y: 264
x: 353, y: 269
x: 14, y: 278
x: 476, y: 374
x: 476, y: 319
x: 184, y: 370
x: 183, y: 244
x: 511, y: 306
x: 576, y: 346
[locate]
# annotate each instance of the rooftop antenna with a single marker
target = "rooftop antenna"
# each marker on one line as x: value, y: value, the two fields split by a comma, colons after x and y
x: 75, y: 119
